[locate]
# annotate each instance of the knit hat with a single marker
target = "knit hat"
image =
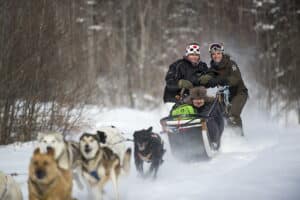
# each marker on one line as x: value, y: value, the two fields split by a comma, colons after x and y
x: 192, y: 48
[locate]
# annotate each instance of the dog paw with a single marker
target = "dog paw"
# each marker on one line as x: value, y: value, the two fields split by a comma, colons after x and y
x: 141, y: 175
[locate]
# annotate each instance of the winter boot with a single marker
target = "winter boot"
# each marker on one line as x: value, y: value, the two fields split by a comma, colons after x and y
x: 236, y: 124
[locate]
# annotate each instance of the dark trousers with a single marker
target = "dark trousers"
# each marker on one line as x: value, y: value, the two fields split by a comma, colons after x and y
x: 237, y: 104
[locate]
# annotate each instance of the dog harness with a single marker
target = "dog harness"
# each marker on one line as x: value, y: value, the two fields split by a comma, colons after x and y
x: 5, y: 188
x: 95, y: 175
x: 146, y: 158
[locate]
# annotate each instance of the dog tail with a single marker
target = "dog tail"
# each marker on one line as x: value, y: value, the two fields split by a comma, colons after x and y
x: 126, y: 162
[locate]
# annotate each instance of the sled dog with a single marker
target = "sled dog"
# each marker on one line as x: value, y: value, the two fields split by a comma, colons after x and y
x: 9, y: 188
x: 148, y: 147
x: 101, y: 164
x: 67, y: 153
x: 46, y: 180
x: 114, y: 139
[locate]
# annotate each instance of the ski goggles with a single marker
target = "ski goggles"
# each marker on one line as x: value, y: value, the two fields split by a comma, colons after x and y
x: 216, y: 47
x: 192, y: 49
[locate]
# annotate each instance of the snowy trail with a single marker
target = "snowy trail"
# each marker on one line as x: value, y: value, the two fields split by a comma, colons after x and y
x: 263, y: 165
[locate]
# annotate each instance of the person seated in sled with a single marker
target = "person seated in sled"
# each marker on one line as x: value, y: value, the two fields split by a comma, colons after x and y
x: 224, y: 71
x: 207, y: 106
x: 184, y: 73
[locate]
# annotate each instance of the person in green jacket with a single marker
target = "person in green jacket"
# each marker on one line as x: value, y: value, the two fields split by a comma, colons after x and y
x: 224, y: 71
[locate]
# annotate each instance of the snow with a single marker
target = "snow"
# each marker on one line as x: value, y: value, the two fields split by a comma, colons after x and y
x: 95, y: 27
x: 263, y: 165
x: 270, y: 1
x: 258, y: 3
x: 274, y: 10
x: 149, y: 97
x: 80, y: 20
x: 264, y: 27
x: 91, y: 2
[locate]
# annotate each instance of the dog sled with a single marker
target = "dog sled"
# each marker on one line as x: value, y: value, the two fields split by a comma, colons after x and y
x: 188, y: 137
x: 188, y: 133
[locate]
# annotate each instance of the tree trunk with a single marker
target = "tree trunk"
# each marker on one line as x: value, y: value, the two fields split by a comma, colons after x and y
x: 125, y: 54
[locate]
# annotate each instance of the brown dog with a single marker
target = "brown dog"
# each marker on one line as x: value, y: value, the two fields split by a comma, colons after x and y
x: 46, y: 180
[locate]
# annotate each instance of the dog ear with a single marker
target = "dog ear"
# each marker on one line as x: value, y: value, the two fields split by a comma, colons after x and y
x: 101, y: 137
x: 50, y: 151
x: 135, y: 135
x: 82, y: 135
x: 150, y: 129
x: 37, y: 151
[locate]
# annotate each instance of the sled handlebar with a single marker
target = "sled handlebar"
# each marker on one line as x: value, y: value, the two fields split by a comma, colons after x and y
x: 224, y: 93
x: 223, y: 89
x: 179, y: 98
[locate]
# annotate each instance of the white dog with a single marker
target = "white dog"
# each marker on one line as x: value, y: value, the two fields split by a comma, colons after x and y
x: 114, y: 139
x: 67, y: 153
x: 9, y: 188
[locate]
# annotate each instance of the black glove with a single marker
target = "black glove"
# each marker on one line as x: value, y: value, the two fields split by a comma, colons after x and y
x: 212, y: 82
x: 194, y: 80
x: 216, y: 81
x: 222, y: 81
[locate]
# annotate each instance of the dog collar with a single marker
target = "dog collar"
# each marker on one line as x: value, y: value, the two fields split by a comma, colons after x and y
x: 93, y: 173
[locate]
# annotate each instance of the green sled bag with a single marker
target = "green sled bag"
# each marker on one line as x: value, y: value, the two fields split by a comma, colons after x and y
x: 184, y: 109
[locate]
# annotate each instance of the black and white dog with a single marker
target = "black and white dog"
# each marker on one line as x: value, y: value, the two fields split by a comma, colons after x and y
x: 148, y: 147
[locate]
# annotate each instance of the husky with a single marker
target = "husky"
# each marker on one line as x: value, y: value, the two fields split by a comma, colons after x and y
x: 101, y: 164
x: 67, y: 153
x: 9, y: 188
x: 113, y: 139
x: 46, y: 180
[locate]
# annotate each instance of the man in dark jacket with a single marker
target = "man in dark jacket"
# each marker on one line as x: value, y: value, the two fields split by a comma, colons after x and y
x: 224, y: 71
x: 184, y: 73
x: 207, y: 106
